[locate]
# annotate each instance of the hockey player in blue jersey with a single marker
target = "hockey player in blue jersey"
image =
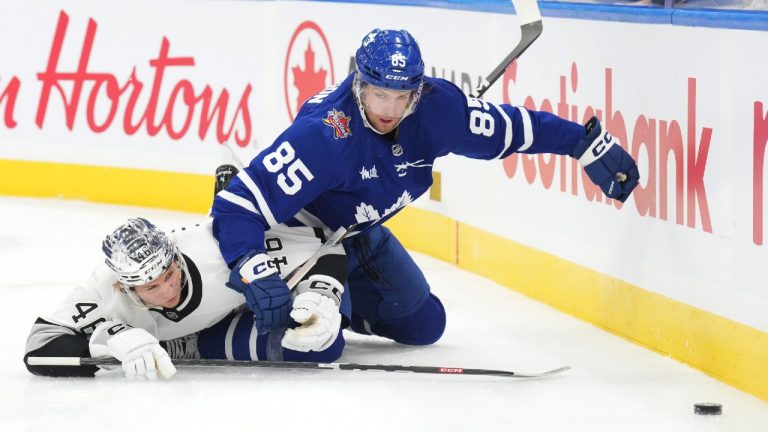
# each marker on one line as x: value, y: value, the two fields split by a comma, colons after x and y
x: 363, y: 149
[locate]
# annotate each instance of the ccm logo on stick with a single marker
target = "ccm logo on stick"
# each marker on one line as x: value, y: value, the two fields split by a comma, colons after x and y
x: 451, y: 370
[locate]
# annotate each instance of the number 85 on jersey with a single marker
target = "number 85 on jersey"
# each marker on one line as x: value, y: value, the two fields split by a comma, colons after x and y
x: 291, y: 169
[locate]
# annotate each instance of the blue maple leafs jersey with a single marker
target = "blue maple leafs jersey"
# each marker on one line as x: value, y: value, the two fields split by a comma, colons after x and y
x: 328, y: 170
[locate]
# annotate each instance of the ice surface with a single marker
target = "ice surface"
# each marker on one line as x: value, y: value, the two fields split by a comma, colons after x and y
x: 46, y: 245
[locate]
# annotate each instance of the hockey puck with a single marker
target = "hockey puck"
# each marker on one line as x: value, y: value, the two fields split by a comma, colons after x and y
x: 706, y: 408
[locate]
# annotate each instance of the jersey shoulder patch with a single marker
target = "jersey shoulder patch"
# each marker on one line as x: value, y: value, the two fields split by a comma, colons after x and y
x: 339, y: 122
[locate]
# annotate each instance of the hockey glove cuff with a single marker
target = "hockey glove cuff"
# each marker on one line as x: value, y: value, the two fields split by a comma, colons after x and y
x: 141, y: 355
x: 268, y: 297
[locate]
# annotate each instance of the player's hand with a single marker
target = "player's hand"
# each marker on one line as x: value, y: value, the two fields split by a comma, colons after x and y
x: 316, y: 310
x: 606, y: 163
x: 319, y: 320
x: 141, y: 355
x: 268, y: 297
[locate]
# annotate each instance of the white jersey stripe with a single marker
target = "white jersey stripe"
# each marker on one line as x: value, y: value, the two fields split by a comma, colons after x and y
x: 527, y: 129
x: 310, y: 220
x: 265, y: 211
x: 236, y: 199
x: 252, y: 343
x: 230, y: 336
x: 507, y: 130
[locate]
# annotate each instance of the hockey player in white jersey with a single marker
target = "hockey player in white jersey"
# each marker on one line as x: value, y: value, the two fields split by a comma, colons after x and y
x: 160, y: 296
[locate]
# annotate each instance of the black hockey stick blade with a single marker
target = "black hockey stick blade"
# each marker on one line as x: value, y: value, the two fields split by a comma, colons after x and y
x: 530, y: 29
x: 109, y: 361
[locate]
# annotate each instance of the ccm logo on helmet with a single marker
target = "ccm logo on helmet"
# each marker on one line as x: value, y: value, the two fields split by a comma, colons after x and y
x: 397, y: 78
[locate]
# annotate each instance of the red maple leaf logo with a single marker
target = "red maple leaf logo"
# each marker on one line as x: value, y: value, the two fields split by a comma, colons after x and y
x: 308, y: 81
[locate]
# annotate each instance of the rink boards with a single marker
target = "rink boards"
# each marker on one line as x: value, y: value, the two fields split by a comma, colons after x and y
x: 129, y: 105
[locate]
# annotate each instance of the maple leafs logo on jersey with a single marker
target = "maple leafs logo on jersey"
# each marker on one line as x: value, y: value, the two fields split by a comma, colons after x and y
x: 403, y: 201
x: 339, y: 122
x: 368, y: 213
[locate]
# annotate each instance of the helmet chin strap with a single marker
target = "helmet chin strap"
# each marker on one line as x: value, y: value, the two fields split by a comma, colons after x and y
x: 357, y: 87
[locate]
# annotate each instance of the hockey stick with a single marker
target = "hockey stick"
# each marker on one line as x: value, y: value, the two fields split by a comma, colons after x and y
x: 108, y: 361
x: 530, y: 28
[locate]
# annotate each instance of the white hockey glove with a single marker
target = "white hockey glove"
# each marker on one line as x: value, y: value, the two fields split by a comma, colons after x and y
x: 139, y: 351
x: 316, y: 309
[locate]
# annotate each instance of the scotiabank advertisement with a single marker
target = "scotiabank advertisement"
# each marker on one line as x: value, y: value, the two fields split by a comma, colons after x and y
x: 162, y: 85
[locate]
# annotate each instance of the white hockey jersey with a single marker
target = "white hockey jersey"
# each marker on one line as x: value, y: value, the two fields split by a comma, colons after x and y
x: 205, y: 299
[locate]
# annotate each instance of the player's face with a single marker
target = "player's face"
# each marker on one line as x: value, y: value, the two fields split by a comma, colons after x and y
x: 385, y: 107
x: 164, y: 291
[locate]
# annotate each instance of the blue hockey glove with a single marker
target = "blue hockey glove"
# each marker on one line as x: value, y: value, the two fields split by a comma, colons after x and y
x: 606, y: 163
x: 268, y: 297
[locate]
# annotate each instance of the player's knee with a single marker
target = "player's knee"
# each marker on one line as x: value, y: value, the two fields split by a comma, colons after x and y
x: 423, y: 327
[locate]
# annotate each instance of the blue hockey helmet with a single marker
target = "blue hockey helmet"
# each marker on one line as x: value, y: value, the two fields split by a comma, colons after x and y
x: 390, y: 59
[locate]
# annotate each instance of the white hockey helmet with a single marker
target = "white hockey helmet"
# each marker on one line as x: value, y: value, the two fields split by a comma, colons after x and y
x: 138, y: 252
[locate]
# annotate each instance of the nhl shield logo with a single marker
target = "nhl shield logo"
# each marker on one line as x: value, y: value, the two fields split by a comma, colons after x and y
x: 339, y: 122
x: 397, y: 150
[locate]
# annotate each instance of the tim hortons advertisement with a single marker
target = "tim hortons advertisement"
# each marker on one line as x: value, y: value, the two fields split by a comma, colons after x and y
x: 175, y: 81
x: 86, y: 79
x: 98, y: 94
